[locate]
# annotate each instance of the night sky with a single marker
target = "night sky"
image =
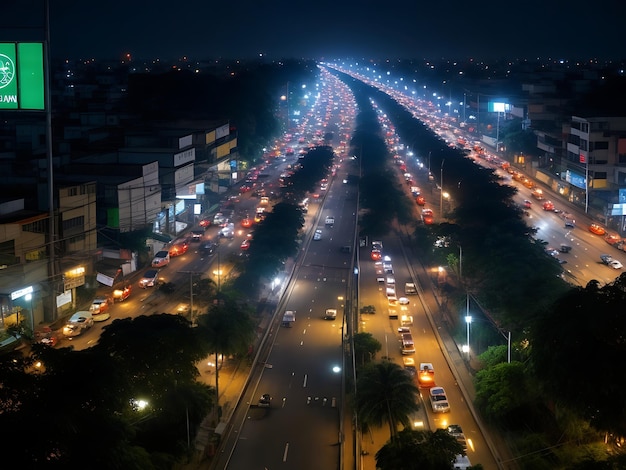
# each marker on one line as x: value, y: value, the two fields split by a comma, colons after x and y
x: 323, y: 29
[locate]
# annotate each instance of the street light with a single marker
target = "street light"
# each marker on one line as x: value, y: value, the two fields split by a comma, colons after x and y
x: 468, y: 321
x: 441, y: 191
x: 29, y: 298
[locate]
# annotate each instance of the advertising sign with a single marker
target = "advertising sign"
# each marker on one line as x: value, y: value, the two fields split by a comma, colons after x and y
x: 21, y: 76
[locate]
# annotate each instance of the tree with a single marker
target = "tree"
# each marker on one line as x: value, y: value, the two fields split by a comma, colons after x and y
x: 229, y: 329
x: 575, y: 348
x: 502, y: 390
x: 385, y: 393
x: 419, y: 450
x: 365, y: 347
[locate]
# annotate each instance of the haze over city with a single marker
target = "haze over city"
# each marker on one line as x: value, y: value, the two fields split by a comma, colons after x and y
x: 324, y: 30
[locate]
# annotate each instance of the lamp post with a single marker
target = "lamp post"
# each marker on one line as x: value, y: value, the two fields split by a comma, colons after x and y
x: 468, y: 321
x: 441, y: 189
x: 29, y: 298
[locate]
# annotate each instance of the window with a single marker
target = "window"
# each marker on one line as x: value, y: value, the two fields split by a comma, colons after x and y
x: 74, y: 222
x: 600, y: 145
x: 39, y: 226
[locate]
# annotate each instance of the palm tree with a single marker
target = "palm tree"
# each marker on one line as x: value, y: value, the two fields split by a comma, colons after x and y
x: 411, y: 450
x: 229, y: 330
x: 385, y: 392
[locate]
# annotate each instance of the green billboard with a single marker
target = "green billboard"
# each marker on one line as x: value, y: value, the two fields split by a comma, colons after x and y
x: 22, y: 76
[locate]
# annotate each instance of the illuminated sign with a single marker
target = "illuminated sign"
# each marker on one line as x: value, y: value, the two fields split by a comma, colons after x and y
x: 21, y: 76
x: 498, y: 107
x: 21, y: 293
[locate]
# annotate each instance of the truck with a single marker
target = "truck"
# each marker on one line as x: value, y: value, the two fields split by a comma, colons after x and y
x: 289, y: 318
x: 410, y: 289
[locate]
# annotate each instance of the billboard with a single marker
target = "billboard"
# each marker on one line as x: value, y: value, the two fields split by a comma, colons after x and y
x: 22, y: 76
x: 498, y: 107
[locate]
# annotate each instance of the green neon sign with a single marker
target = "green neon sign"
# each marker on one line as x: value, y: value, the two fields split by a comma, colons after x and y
x: 22, y: 76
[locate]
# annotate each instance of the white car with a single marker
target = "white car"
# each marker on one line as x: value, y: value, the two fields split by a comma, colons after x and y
x: 330, y: 314
x: 77, y: 323
x: 317, y: 235
x: 439, y: 400
x: 149, y: 279
x: 615, y: 264
x: 403, y: 301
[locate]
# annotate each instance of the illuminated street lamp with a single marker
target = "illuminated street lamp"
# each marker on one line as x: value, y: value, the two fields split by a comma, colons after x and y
x: 468, y: 321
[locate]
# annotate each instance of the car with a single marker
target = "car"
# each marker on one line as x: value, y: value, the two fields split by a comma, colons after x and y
x: 527, y: 204
x: 265, y: 401
x: 377, y: 245
x: 179, y: 248
x: 391, y: 281
x: 329, y: 221
x: 122, y: 293
x: 426, y: 375
x: 219, y: 218
x: 548, y: 206
x: 161, y: 259
x: 421, y: 201
x: 406, y: 320
x: 371, y: 309
x: 428, y: 217
x: 606, y: 259
x: 204, y: 223
x: 330, y: 314
x: 376, y: 255
x: 228, y: 231
x: 78, y: 323
x: 149, y: 279
x: 196, y: 235
x: 245, y: 244
x: 457, y: 431
x: 317, y: 235
x: 246, y: 222
x: 100, y: 308
x: 403, y: 301
x: 597, y: 229
x: 409, y: 366
x: 615, y: 264
x: 439, y: 400
x: 207, y: 248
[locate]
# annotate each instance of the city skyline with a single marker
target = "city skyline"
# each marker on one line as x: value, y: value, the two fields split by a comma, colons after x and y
x: 330, y: 30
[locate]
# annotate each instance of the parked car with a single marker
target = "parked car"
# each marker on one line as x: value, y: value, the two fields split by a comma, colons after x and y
x: 78, y: 323
x: 149, y: 279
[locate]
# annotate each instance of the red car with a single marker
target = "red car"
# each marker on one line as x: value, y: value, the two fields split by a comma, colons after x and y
x: 205, y: 223
x: 376, y: 255
x: 179, y: 248
x: 246, y: 223
x: 245, y: 244
x: 121, y: 294
x: 548, y: 206
x: 428, y: 217
x: 421, y: 201
x: 597, y: 229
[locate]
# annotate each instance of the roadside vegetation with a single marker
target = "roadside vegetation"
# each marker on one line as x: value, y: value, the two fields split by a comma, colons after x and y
x: 559, y: 401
